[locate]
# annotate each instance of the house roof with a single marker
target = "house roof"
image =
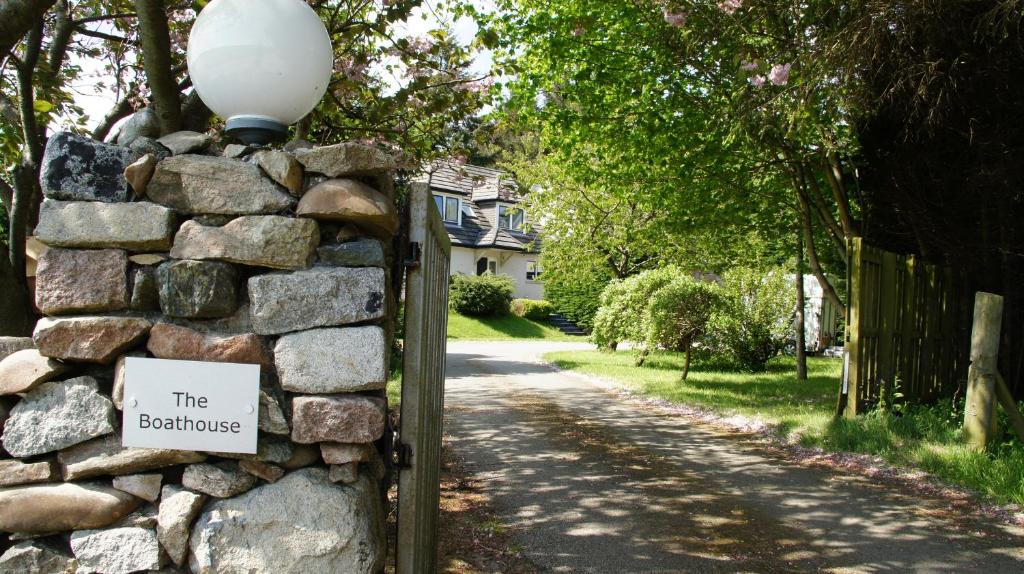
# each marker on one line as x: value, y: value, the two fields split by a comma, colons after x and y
x: 481, y: 189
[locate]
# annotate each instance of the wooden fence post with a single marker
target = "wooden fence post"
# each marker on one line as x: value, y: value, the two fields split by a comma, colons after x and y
x: 980, y: 413
x: 853, y: 351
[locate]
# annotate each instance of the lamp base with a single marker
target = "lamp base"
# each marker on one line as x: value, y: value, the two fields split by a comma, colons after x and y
x: 256, y: 131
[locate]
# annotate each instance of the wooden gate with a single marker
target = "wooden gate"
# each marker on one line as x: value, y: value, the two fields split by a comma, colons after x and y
x: 909, y: 325
x: 419, y: 446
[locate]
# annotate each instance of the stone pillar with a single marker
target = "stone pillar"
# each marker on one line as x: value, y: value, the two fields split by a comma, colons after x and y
x: 174, y: 250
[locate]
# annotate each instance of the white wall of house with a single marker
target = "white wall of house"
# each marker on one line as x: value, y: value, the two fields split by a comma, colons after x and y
x: 463, y: 261
x: 509, y: 263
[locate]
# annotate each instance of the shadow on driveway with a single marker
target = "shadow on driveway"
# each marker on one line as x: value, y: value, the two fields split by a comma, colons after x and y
x: 591, y: 483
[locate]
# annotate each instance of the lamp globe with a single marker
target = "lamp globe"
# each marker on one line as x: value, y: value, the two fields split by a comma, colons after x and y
x: 260, y: 64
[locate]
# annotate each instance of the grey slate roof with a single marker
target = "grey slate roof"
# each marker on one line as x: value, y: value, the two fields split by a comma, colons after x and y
x: 481, y: 188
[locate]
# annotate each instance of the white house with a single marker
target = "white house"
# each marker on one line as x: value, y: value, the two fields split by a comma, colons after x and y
x: 488, y: 230
x: 822, y: 320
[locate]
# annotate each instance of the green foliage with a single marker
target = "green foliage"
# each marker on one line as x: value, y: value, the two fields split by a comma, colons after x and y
x: 754, y: 320
x: 532, y: 309
x: 621, y: 316
x: 663, y: 308
x: 677, y: 314
x: 485, y: 294
x: 679, y: 140
x: 575, y: 293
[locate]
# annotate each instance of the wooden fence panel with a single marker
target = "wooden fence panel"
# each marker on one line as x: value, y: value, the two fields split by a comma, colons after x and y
x: 909, y: 329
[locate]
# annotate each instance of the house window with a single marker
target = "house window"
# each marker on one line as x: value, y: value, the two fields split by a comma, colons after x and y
x: 510, y: 217
x: 448, y: 208
x: 532, y: 271
x: 485, y: 265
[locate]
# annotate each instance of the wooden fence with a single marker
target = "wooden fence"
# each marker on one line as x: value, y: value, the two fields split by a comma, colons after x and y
x: 908, y: 331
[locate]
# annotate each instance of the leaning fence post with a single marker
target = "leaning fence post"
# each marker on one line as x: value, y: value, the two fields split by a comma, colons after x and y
x: 980, y: 412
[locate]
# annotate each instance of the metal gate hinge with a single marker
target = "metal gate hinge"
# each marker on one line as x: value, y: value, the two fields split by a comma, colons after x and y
x: 413, y: 260
x: 403, y: 456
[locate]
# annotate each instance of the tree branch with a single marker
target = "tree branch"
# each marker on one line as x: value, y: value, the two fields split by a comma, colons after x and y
x: 812, y: 252
x: 154, y: 36
x: 823, y: 212
x: 834, y: 174
x: 101, y: 35
x: 26, y: 92
x: 104, y: 17
x: 63, y: 29
x: 122, y: 109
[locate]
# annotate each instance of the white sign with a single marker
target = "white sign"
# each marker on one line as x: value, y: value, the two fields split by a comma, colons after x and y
x: 190, y: 405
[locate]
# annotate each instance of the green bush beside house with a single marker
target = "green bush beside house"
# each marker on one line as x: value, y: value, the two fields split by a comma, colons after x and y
x: 480, y: 295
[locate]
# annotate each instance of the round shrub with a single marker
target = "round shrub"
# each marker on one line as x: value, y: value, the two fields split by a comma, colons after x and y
x: 677, y: 315
x: 755, y: 318
x: 480, y: 294
x: 532, y: 309
x: 623, y: 303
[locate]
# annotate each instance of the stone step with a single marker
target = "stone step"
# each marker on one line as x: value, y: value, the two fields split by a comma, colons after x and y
x: 565, y: 325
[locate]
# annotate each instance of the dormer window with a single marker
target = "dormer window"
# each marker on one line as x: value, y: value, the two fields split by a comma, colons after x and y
x: 510, y: 217
x: 449, y: 207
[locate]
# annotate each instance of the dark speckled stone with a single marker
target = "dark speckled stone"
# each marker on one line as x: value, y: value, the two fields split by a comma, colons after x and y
x: 76, y: 168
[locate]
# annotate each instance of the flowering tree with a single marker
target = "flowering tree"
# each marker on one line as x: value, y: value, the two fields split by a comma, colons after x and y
x: 730, y: 112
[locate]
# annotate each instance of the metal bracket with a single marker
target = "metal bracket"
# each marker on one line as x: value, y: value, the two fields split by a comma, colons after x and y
x: 403, y: 456
x: 413, y: 260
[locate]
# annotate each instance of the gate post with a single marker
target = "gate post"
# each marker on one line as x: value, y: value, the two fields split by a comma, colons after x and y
x: 980, y: 411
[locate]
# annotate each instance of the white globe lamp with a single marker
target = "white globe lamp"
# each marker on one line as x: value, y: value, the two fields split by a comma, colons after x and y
x: 260, y: 64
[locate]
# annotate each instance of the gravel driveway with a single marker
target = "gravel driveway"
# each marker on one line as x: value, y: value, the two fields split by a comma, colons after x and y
x: 590, y: 482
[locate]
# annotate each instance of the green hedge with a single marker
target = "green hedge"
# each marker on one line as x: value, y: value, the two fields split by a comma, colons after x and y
x: 533, y: 309
x: 576, y: 296
x: 480, y: 294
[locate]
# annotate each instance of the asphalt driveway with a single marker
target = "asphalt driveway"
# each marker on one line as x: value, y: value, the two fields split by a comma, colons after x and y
x: 590, y: 482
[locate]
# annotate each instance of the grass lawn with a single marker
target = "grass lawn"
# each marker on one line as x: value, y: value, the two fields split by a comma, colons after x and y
x: 503, y: 327
x: 925, y: 437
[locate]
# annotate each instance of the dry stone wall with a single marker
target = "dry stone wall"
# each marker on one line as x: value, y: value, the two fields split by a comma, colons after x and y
x: 167, y: 249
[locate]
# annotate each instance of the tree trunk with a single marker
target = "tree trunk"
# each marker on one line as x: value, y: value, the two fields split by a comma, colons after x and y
x: 812, y: 254
x: 822, y: 210
x: 801, y: 325
x: 686, y: 363
x: 16, y: 318
x: 16, y: 18
x: 154, y: 36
